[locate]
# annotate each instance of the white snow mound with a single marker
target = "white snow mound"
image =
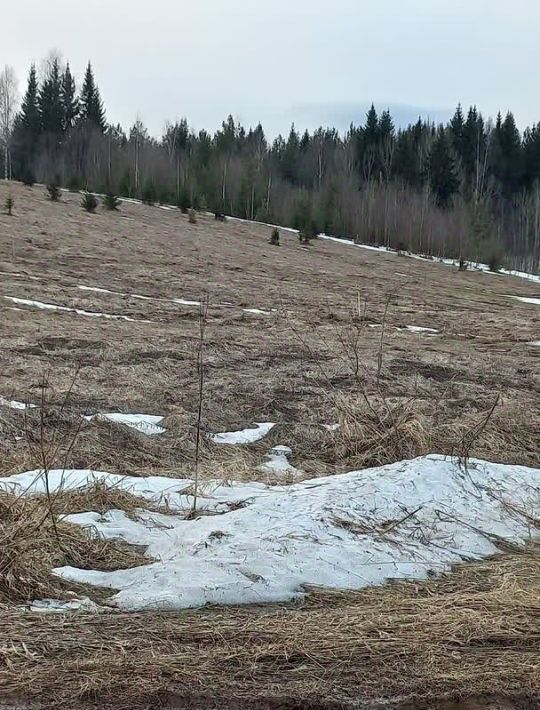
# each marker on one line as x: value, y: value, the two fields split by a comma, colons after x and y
x: 145, y: 423
x: 244, y: 436
x: 348, y: 531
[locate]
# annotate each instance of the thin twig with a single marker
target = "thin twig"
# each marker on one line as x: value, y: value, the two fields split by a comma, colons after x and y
x: 203, y: 320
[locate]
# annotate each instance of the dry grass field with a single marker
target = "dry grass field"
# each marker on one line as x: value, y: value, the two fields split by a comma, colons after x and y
x: 328, y: 343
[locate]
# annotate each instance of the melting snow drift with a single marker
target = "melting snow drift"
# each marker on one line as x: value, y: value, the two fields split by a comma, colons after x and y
x: 277, y: 464
x: 527, y: 299
x: 348, y: 531
x: 145, y: 423
x: 53, y: 307
x: 244, y: 436
x: 420, y: 329
x: 14, y: 404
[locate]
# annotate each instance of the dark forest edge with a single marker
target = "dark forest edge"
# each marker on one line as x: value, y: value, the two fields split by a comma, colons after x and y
x: 469, y: 189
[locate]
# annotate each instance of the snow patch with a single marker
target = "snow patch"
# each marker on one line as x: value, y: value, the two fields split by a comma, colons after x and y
x: 174, y: 493
x: 78, y: 311
x: 14, y: 404
x: 244, y: 436
x: 277, y: 463
x: 257, y: 311
x: 60, y: 606
x: 183, y: 302
x: 526, y: 299
x: 145, y: 423
x: 332, y: 427
x: 349, y: 531
x: 420, y: 329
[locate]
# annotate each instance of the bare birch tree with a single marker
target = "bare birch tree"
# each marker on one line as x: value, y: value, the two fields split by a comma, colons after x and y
x: 9, y: 96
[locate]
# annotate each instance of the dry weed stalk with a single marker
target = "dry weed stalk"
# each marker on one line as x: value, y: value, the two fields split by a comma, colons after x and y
x: 49, y: 451
x: 203, y: 322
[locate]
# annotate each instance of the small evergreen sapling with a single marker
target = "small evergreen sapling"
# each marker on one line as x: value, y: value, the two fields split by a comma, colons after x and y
x: 274, y: 237
x: 183, y: 202
x: 89, y: 202
x: 54, y: 192
x: 192, y: 217
x: 148, y: 195
x: 9, y: 205
x: 111, y: 202
x: 308, y: 233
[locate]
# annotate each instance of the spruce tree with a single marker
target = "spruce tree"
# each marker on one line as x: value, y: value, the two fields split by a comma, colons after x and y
x: 50, y: 101
x: 27, y: 131
x: 91, y: 105
x: 512, y: 156
x: 531, y: 155
x: 70, y: 103
x: 406, y: 159
x: 386, y: 144
x: 456, y: 129
x: 386, y: 126
x: 371, y: 129
x: 442, y: 173
x: 290, y: 157
x: 370, y: 145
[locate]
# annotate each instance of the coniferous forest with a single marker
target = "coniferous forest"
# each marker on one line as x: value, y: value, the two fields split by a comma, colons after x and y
x: 469, y: 189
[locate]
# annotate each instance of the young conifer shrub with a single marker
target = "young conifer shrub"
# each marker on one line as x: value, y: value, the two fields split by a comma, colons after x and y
x: 111, y: 202
x: 89, y: 202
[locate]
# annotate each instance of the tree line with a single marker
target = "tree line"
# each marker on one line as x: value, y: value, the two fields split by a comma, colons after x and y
x: 470, y: 188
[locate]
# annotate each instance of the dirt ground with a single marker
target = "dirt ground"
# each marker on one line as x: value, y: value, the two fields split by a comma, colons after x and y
x: 332, y: 346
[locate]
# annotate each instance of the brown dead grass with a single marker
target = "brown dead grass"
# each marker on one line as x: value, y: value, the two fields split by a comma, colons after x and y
x: 315, y: 360
x: 470, y: 634
x: 291, y: 367
x: 33, y: 542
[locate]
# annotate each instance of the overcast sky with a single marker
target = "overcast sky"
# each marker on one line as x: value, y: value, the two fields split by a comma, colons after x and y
x: 280, y: 61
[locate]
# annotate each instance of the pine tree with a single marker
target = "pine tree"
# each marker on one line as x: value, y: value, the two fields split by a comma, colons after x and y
x: 70, y: 103
x: 50, y: 101
x: 91, y: 105
x: 442, y: 173
x: 27, y: 131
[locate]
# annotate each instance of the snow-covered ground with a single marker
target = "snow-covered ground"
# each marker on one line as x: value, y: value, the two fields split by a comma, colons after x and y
x: 244, y: 436
x: 145, y: 423
x: 277, y: 464
x: 421, y: 329
x: 15, y: 404
x: 527, y: 299
x: 66, y: 309
x: 403, y: 520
